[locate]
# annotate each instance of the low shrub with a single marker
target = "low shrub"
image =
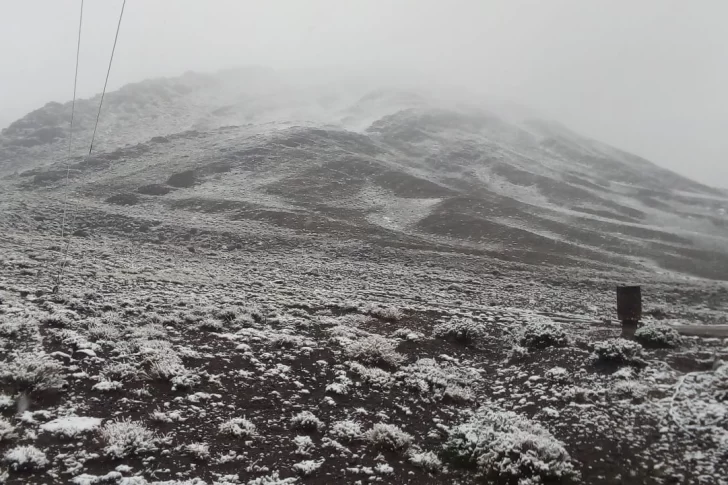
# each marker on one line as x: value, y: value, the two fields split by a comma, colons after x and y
x: 125, y: 438
x: 507, y: 448
x: 346, y: 431
x: 26, y: 458
x: 618, y: 352
x: 427, y: 460
x: 306, y: 421
x: 390, y: 313
x: 388, y: 437
x: 543, y: 333
x: 439, y: 381
x: 461, y: 330
x: 7, y: 430
x: 304, y: 445
x: 32, y: 371
x: 656, y: 336
x: 200, y: 451
x: 374, y: 350
x: 239, y: 428
x: 307, y: 468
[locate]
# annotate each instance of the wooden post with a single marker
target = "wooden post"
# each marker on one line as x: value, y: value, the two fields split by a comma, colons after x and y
x: 629, y: 305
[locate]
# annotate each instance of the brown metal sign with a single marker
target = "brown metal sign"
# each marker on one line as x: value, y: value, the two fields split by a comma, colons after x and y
x: 629, y: 303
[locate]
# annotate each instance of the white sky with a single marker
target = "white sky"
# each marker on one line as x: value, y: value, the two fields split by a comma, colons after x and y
x: 649, y: 76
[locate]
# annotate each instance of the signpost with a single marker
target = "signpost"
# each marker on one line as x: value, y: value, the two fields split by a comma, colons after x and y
x: 629, y: 305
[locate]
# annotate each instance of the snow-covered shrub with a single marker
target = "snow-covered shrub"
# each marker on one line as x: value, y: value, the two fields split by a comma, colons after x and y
x: 166, y: 368
x: 557, y: 374
x: 618, y: 351
x: 628, y: 389
x: 126, y: 438
x: 656, y: 336
x: 75, y: 340
x: 26, y: 458
x: 444, y: 381
x: 427, y: 460
x: 385, y: 313
x: 461, y: 330
x: 341, y: 384
x: 388, y: 437
x: 541, y: 333
x: 580, y: 395
x: 346, y: 430
x: 71, y: 426
x: 548, y: 413
x: 306, y: 421
x: 184, y: 380
x: 12, y: 328
x: 33, y: 371
x: 160, y: 416
x: 287, y: 341
x: 516, y: 353
x: 117, y: 371
x: 102, y: 331
x: 200, y: 451
x: 227, y: 314
x: 7, y: 430
x: 57, y: 320
x: 6, y: 401
x: 457, y: 394
x: 304, y: 445
x: 307, y: 468
x: 700, y: 405
x: 238, y: 427
x: 160, y: 358
x: 374, y: 350
x: 407, y: 334
x: 211, y: 325
x: 374, y: 376
x: 105, y: 385
x: 505, y: 447
x: 164, y: 363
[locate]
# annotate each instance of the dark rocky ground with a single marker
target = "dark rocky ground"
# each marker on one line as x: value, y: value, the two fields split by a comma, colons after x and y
x: 181, y: 331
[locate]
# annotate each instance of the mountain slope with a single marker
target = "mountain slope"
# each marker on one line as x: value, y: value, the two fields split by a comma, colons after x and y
x: 252, y: 150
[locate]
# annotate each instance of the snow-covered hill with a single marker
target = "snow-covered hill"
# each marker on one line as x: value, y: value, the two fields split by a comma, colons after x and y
x: 338, y: 160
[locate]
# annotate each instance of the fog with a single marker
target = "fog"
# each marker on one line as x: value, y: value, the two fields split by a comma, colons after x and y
x: 647, y: 76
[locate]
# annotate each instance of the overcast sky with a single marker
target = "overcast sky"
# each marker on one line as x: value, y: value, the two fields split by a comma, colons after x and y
x: 649, y: 76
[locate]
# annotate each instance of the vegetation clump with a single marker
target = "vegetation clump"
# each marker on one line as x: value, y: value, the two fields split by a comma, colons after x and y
x: 544, y: 333
x: 656, y: 336
x: 618, y: 352
x: 505, y: 447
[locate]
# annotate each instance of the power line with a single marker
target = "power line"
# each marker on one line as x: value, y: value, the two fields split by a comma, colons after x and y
x: 108, y: 71
x: 70, y: 134
x: 96, y: 125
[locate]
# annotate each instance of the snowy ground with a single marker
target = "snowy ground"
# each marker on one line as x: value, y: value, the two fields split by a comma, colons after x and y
x: 429, y: 300
x: 282, y: 363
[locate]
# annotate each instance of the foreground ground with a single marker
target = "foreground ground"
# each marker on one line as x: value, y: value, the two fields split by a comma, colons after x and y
x: 298, y: 362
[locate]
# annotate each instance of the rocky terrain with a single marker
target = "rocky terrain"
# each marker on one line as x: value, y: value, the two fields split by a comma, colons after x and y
x: 274, y: 282
x: 386, y: 165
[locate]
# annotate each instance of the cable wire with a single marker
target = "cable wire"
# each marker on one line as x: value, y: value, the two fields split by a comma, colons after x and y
x: 70, y: 134
x: 93, y: 136
x: 106, y: 82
